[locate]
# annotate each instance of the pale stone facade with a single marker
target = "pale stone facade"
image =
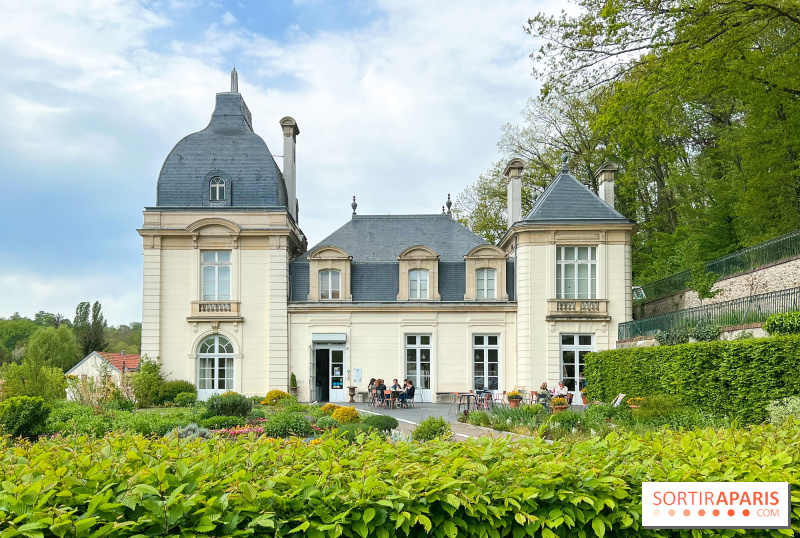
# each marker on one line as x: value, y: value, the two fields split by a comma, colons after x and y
x: 234, y: 301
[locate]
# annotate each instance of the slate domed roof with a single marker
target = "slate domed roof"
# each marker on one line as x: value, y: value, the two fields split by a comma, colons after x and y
x: 227, y: 148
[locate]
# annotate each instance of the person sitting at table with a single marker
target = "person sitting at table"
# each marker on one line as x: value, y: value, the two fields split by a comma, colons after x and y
x: 408, y: 393
x: 543, y: 396
x: 562, y: 391
x: 396, y: 386
x: 380, y: 387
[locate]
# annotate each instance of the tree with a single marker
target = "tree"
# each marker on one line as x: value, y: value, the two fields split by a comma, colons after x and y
x: 54, y: 347
x: 33, y: 378
x: 15, y: 333
x: 90, y: 333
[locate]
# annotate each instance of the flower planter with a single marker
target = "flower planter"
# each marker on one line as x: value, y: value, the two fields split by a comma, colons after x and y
x: 293, y: 391
x: 514, y: 402
x: 634, y: 406
x: 559, y: 408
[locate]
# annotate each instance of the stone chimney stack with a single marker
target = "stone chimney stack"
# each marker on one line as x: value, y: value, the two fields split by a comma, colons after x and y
x: 605, y: 182
x: 290, y: 132
x: 513, y: 173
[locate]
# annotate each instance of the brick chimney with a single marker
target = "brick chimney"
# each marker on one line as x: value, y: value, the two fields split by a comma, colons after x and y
x: 513, y: 173
x: 290, y: 132
x: 605, y: 182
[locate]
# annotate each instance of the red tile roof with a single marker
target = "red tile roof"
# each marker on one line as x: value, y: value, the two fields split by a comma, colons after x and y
x: 116, y: 360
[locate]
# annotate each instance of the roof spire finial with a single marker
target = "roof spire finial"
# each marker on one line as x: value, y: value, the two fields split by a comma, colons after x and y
x: 234, y: 80
x: 449, y: 203
x: 442, y: 210
x: 354, y: 205
x: 564, y: 165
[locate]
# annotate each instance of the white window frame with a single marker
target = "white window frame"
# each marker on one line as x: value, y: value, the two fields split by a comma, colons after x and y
x: 414, y: 284
x: 485, y: 347
x: 215, y: 266
x: 216, y: 185
x: 326, y: 292
x: 222, y: 351
x: 418, y: 347
x: 576, y: 259
x: 482, y: 289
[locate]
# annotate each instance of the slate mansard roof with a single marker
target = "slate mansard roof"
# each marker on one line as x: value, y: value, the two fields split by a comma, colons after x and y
x: 375, y: 242
x: 567, y: 201
x: 227, y: 148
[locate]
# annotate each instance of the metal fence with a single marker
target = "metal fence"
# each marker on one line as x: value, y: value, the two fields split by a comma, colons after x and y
x: 774, y: 250
x: 752, y: 309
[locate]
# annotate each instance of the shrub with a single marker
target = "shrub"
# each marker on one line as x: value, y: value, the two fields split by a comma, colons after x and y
x: 146, y: 382
x: 780, y: 410
x: 599, y: 413
x: 494, y: 484
x: 193, y: 431
x: 783, y: 324
x: 672, y: 337
x: 221, y: 423
x: 293, y: 381
x: 383, y: 423
x: 119, y: 402
x: 185, y: 399
x: 229, y: 404
x: 74, y: 418
x: 158, y: 422
x: 24, y: 416
x: 287, y: 424
x: 463, y: 418
x: 169, y: 390
x: 256, y: 413
x: 432, y: 428
x: 706, y: 333
x: 723, y: 378
x: 327, y: 422
x: 274, y: 396
x: 329, y: 408
x: 568, y: 420
x: 479, y: 418
x: 349, y: 432
x: 346, y: 415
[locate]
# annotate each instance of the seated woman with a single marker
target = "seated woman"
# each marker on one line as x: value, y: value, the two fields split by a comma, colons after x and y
x: 380, y: 387
x: 562, y: 391
x: 408, y: 393
x: 543, y: 396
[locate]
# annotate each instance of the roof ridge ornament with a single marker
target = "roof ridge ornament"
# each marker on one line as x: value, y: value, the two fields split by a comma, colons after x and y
x: 449, y: 203
x: 354, y: 205
x: 234, y: 80
x: 564, y: 165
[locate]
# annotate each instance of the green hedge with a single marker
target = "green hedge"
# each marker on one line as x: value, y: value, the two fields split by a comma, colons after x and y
x: 736, y: 379
x: 783, y: 324
x: 127, y: 485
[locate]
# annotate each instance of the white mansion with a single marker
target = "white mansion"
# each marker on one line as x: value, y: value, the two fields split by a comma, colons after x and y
x: 234, y: 300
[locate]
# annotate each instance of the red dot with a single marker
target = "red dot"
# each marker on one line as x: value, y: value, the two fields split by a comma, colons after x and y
x: 731, y: 512
x: 715, y: 512
x: 701, y: 512
x: 671, y: 512
x: 746, y: 512
x: 686, y: 512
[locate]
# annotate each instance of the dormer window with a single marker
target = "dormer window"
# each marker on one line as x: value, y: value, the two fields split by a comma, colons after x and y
x: 485, y: 284
x: 217, y: 188
x: 418, y: 284
x: 329, y: 285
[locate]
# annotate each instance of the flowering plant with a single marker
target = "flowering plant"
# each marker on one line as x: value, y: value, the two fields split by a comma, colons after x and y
x: 636, y: 400
x: 514, y: 395
x: 583, y: 390
x: 559, y: 400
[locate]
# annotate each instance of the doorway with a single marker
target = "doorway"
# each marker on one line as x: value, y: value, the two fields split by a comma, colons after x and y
x: 329, y: 374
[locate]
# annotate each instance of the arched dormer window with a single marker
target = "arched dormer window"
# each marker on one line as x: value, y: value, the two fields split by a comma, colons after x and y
x: 216, y: 189
x: 418, y: 284
x: 486, y: 284
x: 330, y: 285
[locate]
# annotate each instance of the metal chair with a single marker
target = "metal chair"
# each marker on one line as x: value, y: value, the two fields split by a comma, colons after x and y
x: 388, y: 401
x: 500, y: 398
x: 453, y: 401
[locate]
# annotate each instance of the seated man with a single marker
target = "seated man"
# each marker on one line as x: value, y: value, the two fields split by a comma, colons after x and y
x: 407, y: 394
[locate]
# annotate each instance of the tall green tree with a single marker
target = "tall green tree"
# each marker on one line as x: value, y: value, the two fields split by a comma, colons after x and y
x: 14, y: 333
x: 89, y: 326
x: 54, y: 347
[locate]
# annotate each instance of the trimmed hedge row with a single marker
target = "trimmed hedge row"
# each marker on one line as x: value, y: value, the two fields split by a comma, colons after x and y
x: 127, y: 485
x: 736, y: 379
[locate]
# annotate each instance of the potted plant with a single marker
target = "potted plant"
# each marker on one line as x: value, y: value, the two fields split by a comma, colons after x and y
x: 514, y: 398
x: 635, y: 402
x: 583, y: 396
x: 559, y: 403
x: 293, y: 385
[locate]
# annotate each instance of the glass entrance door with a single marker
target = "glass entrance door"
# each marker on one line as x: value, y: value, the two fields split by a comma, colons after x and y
x: 214, y: 366
x: 329, y: 374
x: 574, y: 348
x: 337, y: 375
x: 418, y: 365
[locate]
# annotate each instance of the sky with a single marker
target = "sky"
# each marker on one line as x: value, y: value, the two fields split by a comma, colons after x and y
x: 398, y: 103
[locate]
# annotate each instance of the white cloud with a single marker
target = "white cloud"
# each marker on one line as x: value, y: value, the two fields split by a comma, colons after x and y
x: 398, y: 112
